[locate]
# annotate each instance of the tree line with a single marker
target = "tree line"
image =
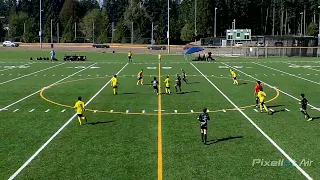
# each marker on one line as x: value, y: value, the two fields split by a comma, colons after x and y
x: 119, y: 20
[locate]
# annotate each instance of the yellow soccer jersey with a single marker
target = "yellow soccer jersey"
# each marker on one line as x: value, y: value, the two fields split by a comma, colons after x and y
x: 79, y: 106
x: 129, y: 54
x: 233, y: 74
x: 167, y: 81
x: 114, y: 82
x: 261, y: 96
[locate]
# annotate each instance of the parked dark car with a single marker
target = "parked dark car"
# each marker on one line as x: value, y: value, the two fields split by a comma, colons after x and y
x: 157, y: 47
x: 278, y: 44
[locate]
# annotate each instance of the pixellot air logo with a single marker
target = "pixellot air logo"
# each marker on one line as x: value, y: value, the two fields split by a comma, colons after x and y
x: 280, y: 163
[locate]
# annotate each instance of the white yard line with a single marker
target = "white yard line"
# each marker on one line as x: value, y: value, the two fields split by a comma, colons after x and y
x: 31, y: 73
x: 47, y: 87
x: 287, y: 73
x: 257, y: 127
x: 59, y: 130
x: 19, y: 65
x: 302, y: 67
x: 270, y: 86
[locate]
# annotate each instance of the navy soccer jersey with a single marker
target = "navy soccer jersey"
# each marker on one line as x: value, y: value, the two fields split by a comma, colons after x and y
x: 304, y: 103
x: 203, y: 119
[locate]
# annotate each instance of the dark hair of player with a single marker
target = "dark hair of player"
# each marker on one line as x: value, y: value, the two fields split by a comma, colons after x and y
x: 115, y: 75
x: 154, y: 78
x: 302, y: 95
x: 79, y: 98
x: 259, y: 82
x: 205, y: 110
x: 168, y: 76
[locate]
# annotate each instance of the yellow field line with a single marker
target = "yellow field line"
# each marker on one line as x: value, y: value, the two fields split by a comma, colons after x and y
x: 159, y: 127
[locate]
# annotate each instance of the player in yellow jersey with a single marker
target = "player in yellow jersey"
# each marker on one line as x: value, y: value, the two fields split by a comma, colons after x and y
x: 262, y: 95
x: 159, y: 57
x: 140, y: 80
x: 79, y: 106
x: 167, y: 82
x: 234, y: 76
x: 114, y: 84
x: 130, y: 56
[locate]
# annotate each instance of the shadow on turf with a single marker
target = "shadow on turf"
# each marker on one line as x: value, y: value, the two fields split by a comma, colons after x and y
x: 193, y: 82
x: 128, y: 93
x: 100, y: 122
x: 273, y: 106
x: 243, y: 83
x: 223, y: 139
x: 314, y: 118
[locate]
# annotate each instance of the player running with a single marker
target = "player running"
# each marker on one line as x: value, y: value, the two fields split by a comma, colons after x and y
x: 203, y: 119
x: 303, y: 109
x: 178, y: 83
x: 262, y: 95
x: 140, y: 80
x: 130, y: 56
x: 234, y: 76
x: 167, y: 82
x: 79, y: 106
x: 155, y: 84
x: 184, y: 76
x: 114, y: 84
x: 256, y: 90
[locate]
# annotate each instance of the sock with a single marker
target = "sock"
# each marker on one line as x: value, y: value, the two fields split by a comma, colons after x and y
x: 257, y: 102
x: 79, y: 119
x: 202, y: 139
x: 180, y: 89
x: 205, y: 138
x: 265, y: 107
x: 138, y: 82
x: 141, y: 82
x: 307, y: 115
x: 114, y: 91
x: 169, y: 91
x: 176, y: 88
x: 260, y: 107
x: 166, y: 91
x: 236, y: 81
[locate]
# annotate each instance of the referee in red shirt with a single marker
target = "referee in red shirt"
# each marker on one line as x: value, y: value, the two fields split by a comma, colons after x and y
x: 256, y: 90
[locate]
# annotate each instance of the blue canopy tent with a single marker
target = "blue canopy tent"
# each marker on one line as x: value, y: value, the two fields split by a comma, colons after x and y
x: 192, y: 50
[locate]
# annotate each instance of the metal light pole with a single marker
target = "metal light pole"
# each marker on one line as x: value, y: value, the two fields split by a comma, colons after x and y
x: 319, y: 28
x: 215, y: 22
x: 152, y: 41
x: 301, y: 26
x: 168, y: 32
x: 195, y: 21
x: 51, y: 32
x: 40, y: 32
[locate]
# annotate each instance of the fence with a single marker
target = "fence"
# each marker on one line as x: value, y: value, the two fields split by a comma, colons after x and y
x: 264, y: 52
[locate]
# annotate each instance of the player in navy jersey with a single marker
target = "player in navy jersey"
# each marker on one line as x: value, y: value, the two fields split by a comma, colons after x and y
x: 203, y: 119
x: 155, y: 84
x: 178, y: 83
x: 303, y: 109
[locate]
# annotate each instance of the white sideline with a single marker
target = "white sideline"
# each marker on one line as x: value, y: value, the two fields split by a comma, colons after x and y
x: 287, y: 73
x: 59, y: 130
x: 313, y: 107
x: 20, y: 65
x: 257, y: 127
x: 304, y: 68
x: 6, y: 107
x: 31, y: 73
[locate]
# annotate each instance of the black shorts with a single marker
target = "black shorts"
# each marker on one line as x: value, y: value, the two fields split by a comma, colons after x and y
x: 204, y: 127
x: 303, y: 109
x: 80, y: 115
x: 235, y: 78
x: 139, y: 78
x: 115, y: 86
x: 178, y: 84
x: 155, y: 87
x: 262, y: 103
x: 129, y: 57
x: 168, y: 87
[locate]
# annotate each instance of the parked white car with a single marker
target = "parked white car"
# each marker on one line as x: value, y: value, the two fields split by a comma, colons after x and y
x: 10, y: 44
x: 238, y: 44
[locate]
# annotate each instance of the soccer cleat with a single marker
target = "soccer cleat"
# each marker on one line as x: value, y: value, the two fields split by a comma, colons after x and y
x: 310, y: 119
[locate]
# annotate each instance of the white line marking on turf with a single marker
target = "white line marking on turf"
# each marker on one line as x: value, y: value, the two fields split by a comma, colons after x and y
x: 274, y: 87
x: 224, y: 110
x: 175, y: 111
x: 257, y: 127
x: 16, y: 110
x: 31, y: 74
x: 287, y: 73
x: 111, y: 110
x: 287, y: 109
x: 192, y: 111
x: 56, y: 133
x: 63, y: 110
x: 127, y: 111
x: 47, y: 110
x: 31, y: 110
x: 271, y: 110
x: 48, y: 86
x: 95, y: 111
x: 255, y: 110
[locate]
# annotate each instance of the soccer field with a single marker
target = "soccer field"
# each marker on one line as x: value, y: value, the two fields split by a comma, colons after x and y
x: 139, y: 135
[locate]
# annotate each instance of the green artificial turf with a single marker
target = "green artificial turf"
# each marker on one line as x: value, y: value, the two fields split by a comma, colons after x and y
x: 120, y: 141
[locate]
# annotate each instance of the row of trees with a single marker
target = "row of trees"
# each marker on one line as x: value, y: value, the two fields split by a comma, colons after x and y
x: 113, y: 21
